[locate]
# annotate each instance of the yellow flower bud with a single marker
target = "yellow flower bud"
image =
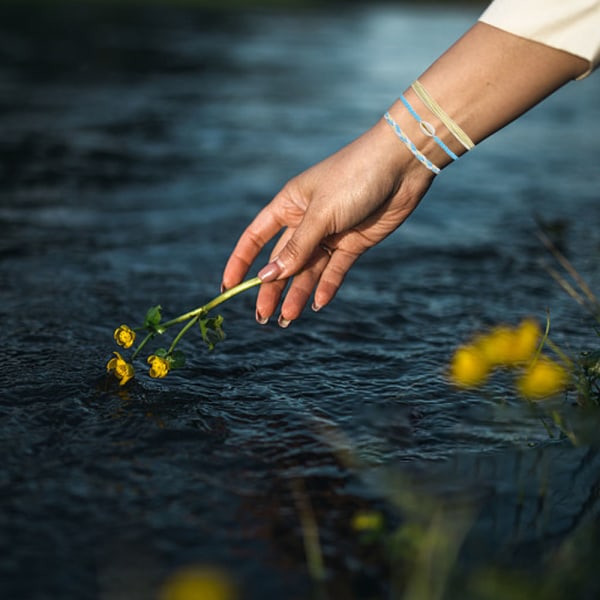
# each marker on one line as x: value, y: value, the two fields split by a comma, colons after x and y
x: 201, y: 582
x: 506, y: 346
x: 469, y: 366
x: 122, y: 370
x: 159, y: 366
x: 526, y: 339
x: 367, y: 520
x: 542, y: 379
x: 124, y: 336
x: 497, y: 345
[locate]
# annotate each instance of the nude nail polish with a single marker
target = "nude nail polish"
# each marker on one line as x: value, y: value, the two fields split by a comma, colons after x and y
x: 270, y: 272
x: 283, y: 322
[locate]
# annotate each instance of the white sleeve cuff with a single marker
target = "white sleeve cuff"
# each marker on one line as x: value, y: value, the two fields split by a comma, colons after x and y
x: 569, y: 25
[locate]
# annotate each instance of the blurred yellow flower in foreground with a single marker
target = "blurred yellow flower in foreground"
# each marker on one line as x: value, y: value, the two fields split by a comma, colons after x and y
x: 469, y: 367
x: 496, y: 346
x: 122, y: 370
x: 159, y: 366
x: 367, y: 520
x: 542, y: 379
x: 124, y: 336
x: 504, y: 346
x: 198, y: 583
x: 526, y: 339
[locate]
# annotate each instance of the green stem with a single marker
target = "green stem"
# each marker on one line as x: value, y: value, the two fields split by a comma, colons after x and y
x: 543, y: 340
x: 202, y: 310
x: 566, y: 359
x: 189, y: 324
x: 142, y: 344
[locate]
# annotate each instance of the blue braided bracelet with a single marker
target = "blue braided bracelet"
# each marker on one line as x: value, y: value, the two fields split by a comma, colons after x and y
x: 427, y: 128
x: 418, y: 155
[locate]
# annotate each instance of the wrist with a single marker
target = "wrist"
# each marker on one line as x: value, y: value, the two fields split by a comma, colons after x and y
x: 397, y: 162
x: 423, y: 133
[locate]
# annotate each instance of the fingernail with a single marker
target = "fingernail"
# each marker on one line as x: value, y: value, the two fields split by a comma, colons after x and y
x: 260, y: 319
x: 283, y: 322
x: 223, y: 288
x: 316, y: 307
x: 271, y: 271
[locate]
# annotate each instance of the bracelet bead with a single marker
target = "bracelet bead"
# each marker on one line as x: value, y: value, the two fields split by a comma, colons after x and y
x: 427, y: 128
x: 410, y: 145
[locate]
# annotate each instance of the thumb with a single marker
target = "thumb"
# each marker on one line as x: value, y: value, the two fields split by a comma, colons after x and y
x: 296, y: 252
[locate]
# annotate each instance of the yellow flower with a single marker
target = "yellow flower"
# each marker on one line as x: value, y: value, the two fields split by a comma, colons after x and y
x: 497, y: 345
x: 367, y: 520
x: 469, y: 367
x: 124, y: 336
x: 506, y: 346
x: 198, y: 583
x: 542, y: 379
x: 526, y: 339
x: 159, y: 366
x: 121, y: 368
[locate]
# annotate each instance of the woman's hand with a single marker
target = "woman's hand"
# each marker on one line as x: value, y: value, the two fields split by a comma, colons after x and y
x: 349, y: 202
x: 330, y: 214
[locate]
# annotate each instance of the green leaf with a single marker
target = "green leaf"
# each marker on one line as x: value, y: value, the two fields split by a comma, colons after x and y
x: 153, y: 317
x: 161, y: 352
x: 590, y: 359
x: 212, y: 331
x: 177, y: 359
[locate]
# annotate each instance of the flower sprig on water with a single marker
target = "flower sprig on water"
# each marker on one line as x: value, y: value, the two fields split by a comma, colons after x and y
x: 163, y: 360
x: 516, y: 348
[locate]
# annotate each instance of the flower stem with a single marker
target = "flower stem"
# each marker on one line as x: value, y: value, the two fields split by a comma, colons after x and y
x: 202, y: 310
x: 566, y: 359
x: 546, y: 341
x: 142, y: 344
x: 189, y: 324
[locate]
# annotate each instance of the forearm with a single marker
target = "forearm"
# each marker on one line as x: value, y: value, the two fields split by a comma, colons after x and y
x: 484, y: 81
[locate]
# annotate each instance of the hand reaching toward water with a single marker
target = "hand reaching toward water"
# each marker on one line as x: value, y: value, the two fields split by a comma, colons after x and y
x: 331, y: 214
x: 337, y: 209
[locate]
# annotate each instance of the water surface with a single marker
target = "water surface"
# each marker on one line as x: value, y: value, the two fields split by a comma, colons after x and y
x: 135, y: 146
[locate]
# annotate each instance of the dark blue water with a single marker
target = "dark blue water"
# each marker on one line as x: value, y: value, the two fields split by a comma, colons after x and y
x: 135, y: 145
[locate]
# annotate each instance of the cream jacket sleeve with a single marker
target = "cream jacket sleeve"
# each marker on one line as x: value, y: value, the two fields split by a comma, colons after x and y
x: 569, y: 25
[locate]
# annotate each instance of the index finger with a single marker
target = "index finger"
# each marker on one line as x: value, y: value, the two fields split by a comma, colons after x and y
x: 254, y: 238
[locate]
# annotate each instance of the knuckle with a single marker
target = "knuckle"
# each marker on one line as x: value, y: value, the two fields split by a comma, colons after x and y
x: 292, y: 252
x: 255, y: 239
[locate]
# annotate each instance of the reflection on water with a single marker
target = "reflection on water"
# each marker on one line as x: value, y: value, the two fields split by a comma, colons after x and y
x: 135, y: 146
